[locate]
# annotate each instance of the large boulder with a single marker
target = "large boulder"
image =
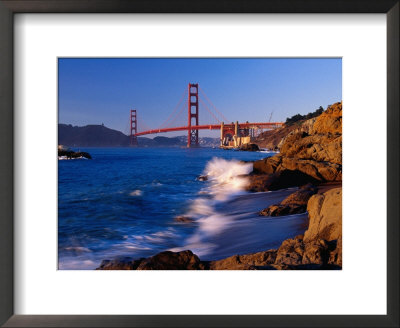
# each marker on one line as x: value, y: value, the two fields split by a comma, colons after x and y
x: 321, y: 245
x: 293, y: 204
x: 297, y: 252
x: 122, y: 263
x: 279, y: 172
x: 249, y: 147
x: 320, y: 171
x: 168, y: 260
x: 325, y: 213
x: 260, y: 260
x: 68, y: 153
x: 279, y: 180
x: 267, y: 165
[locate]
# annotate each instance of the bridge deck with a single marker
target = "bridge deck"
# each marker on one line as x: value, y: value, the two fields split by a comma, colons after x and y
x: 264, y: 125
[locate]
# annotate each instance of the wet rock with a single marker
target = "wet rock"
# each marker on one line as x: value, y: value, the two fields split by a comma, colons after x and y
x: 183, y: 219
x: 73, y: 154
x: 168, y: 260
x: 249, y: 147
x: 301, y: 196
x: 281, y: 210
x: 279, y: 180
x: 295, y: 203
x: 202, y: 178
x: 125, y: 263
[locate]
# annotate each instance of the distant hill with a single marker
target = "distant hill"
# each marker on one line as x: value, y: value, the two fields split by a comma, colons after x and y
x: 101, y: 136
x: 90, y: 136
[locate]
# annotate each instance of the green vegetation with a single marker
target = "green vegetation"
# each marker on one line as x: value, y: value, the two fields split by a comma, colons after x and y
x: 298, y: 117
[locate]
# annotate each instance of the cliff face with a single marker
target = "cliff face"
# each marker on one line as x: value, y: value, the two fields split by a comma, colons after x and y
x: 319, y: 139
x: 310, y: 154
x: 272, y: 138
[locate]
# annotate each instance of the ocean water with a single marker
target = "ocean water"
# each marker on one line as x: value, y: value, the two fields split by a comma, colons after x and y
x: 123, y: 203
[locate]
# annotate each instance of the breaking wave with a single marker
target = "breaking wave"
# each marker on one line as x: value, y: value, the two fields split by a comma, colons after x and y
x: 226, y: 179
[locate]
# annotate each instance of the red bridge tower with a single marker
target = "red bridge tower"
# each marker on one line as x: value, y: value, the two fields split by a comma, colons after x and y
x: 133, y: 128
x: 193, y: 112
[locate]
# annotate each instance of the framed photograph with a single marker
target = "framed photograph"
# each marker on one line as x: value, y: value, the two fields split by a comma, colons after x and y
x: 199, y: 164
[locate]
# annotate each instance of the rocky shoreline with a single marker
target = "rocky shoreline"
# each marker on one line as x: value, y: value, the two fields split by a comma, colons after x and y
x: 70, y: 154
x: 310, y: 158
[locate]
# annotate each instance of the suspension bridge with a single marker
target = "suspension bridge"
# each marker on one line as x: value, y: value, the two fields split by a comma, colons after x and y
x: 185, y: 117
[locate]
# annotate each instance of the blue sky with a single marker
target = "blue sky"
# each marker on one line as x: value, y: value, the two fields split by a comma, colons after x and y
x: 96, y: 91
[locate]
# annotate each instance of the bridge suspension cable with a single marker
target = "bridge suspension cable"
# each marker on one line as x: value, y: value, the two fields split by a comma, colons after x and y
x: 206, y: 107
x: 142, y: 126
x: 178, y: 115
x: 166, y: 122
x: 224, y: 119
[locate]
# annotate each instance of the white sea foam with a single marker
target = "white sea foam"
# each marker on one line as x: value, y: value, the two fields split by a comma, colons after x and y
x: 226, y: 178
x: 158, y: 237
x: 67, y: 158
x: 266, y: 151
x: 136, y: 193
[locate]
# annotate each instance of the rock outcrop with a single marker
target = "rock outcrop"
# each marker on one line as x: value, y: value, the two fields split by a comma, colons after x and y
x: 124, y: 263
x: 249, y: 147
x: 325, y: 213
x: 184, y: 260
x: 70, y: 154
x: 293, y: 204
x: 321, y: 244
x: 310, y: 154
x: 256, y: 261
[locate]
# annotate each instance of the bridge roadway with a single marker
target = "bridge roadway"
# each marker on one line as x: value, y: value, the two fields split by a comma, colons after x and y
x: 264, y: 125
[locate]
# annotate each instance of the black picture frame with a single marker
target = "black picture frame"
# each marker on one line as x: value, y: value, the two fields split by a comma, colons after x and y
x: 10, y: 7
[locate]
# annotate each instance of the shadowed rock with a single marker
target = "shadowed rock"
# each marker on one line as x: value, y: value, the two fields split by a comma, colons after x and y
x: 73, y: 154
x: 249, y: 147
x: 293, y: 204
x: 125, y: 263
x: 279, y: 180
x: 168, y: 260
